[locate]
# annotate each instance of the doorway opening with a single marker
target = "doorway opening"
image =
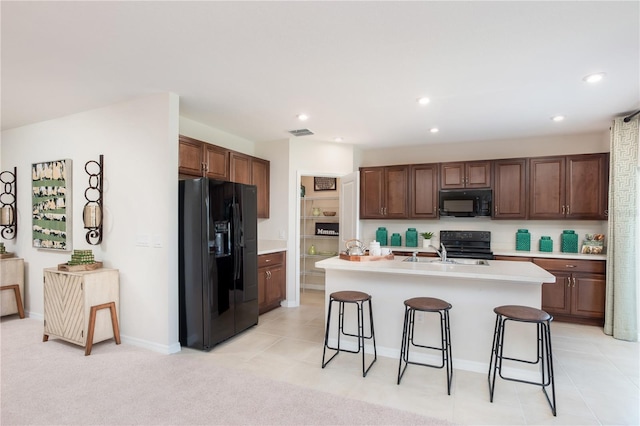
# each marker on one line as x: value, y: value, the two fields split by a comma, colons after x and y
x: 319, y: 227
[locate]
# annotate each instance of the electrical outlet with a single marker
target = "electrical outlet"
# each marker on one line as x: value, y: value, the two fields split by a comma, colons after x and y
x: 142, y: 240
x: 419, y: 317
x: 281, y: 235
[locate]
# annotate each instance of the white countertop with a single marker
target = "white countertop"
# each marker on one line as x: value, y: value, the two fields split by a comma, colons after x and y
x: 513, y: 252
x: 271, y: 246
x: 497, y: 270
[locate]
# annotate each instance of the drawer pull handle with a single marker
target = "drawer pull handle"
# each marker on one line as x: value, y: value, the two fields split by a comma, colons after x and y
x: 267, y: 260
x: 570, y: 266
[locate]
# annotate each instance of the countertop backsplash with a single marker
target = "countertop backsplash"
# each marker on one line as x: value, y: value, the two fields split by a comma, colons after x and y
x: 503, y: 232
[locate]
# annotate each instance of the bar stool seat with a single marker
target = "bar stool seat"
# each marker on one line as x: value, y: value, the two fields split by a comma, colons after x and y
x: 426, y: 304
x: 359, y: 299
x: 544, y: 355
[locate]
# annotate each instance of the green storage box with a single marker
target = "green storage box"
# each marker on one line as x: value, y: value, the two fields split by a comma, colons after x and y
x: 569, y: 242
x: 381, y: 236
x: 396, y: 240
x: 411, y: 237
x: 546, y: 244
x: 523, y: 240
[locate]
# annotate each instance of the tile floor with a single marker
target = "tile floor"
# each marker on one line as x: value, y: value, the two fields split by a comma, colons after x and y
x: 597, y: 377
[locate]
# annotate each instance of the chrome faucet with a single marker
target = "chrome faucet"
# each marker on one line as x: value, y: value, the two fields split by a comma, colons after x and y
x: 414, y: 256
x: 442, y: 253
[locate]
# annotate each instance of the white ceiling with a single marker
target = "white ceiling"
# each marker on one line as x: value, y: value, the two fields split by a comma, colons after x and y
x: 493, y: 70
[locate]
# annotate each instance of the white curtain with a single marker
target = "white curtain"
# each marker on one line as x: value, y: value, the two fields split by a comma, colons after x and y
x: 621, y: 314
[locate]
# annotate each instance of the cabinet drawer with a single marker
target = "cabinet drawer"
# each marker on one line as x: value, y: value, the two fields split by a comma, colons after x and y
x: 572, y: 265
x: 270, y: 259
x: 514, y: 258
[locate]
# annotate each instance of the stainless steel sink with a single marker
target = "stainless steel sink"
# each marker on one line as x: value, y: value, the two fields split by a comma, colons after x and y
x: 471, y: 261
x: 448, y: 261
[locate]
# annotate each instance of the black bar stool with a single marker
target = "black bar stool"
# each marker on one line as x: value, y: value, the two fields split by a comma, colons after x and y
x: 426, y: 304
x: 544, y: 355
x: 358, y: 298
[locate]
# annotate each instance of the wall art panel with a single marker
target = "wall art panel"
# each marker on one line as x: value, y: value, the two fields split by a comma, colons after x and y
x: 51, y: 205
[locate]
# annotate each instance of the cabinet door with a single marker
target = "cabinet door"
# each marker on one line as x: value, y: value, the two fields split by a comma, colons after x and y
x: 262, y: 289
x: 397, y: 192
x: 556, y: 296
x: 547, y: 188
x: 588, y: 295
x: 240, y: 168
x: 510, y: 189
x: 424, y: 191
x: 64, y: 307
x: 452, y: 175
x: 190, y: 156
x: 372, y: 192
x: 216, y: 161
x: 478, y: 174
x: 587, y: 186
x: 275, y: 291
x: 260, y: 178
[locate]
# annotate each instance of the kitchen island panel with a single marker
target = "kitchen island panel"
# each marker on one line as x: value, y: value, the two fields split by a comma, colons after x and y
x: 472, y: 318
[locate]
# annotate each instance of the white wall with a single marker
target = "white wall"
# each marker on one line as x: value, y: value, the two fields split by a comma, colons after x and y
x: 489, y: 150
x: 202, y: 132
x: 139, y: 141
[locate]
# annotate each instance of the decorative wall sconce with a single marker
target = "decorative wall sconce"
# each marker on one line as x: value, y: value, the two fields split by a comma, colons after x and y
x: 92, y: 213
x: 8, y: 203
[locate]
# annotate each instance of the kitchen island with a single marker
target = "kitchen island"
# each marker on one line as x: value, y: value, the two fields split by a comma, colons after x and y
x: 472, y: 290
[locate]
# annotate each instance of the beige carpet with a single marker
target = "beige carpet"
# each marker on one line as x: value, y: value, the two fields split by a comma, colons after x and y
x: 53, y: 383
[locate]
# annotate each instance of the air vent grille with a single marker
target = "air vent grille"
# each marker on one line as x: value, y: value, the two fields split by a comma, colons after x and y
x: 301, y: 132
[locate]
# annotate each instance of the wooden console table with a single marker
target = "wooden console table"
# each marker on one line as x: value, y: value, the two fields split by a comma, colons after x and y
x: 81, y: 307
x: 12, y: 286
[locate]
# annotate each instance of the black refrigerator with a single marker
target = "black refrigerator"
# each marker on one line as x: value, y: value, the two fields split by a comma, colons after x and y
x: 218, y: 265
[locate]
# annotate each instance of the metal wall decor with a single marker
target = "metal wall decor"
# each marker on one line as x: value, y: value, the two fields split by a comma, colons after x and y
x: 92, y: 213
x: 8, y: 204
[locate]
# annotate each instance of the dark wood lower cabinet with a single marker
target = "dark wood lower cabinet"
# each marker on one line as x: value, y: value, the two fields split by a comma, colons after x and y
x: 578, y: 294
x: 271, y: 281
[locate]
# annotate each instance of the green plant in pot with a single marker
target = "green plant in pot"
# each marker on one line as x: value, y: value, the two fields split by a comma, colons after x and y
x: 427, y: 238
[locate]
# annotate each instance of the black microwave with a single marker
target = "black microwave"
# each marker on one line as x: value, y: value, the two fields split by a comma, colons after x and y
x: 465, y: 202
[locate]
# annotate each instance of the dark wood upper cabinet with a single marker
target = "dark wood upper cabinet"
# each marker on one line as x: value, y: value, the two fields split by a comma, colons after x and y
x: 424, y: 191
x: 587, y: 186
x: 384, y: 192
x: 260, y: 171
x: 197, y: 158
x: 510, y: 189
x: 573, y: 187
x: 217, y: 162
x: 471, y: 174
x: 547, y: 188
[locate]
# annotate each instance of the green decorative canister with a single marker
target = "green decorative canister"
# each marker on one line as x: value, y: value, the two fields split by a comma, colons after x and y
x: 569, y: 241
x: 396, y: 240
x: 381, y: 236
x: 411, y: 237
x: 523, y: 240
x: 546, y: 244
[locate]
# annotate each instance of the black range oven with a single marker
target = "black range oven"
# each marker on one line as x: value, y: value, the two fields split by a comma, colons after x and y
x: 467, y: 244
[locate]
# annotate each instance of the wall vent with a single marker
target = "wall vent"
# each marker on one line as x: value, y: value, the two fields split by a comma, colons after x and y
x: 301, y: 132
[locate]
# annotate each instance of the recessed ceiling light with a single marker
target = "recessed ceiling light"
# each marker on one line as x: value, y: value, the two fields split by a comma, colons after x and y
x: 338, y: 139
x: 558, y: 118
x: 594, y: 78
x: 423, y: 101
x: 434, y: 130
x: 303, y: 117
